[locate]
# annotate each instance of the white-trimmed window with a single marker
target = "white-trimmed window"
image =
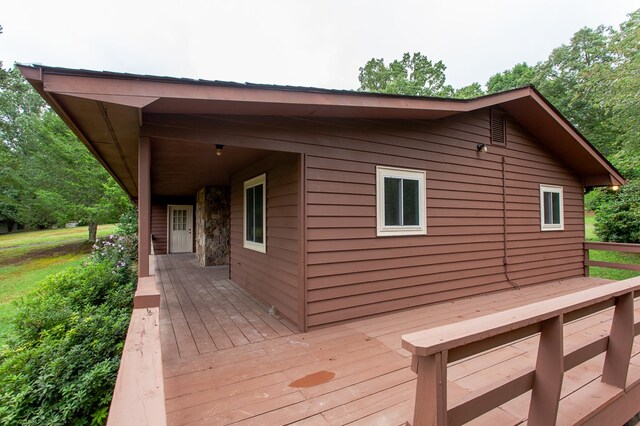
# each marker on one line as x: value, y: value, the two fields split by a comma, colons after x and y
x: 551, y: 208
x: 401, y: 201
x: 255, y: 213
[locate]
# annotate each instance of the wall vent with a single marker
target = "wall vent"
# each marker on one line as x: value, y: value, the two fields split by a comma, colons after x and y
x: 498, y: 127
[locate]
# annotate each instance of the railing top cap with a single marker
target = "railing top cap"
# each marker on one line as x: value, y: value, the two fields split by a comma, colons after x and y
x: 428, y: 342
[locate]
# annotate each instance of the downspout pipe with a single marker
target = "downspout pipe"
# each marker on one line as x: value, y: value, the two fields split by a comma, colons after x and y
x: 504, y: 223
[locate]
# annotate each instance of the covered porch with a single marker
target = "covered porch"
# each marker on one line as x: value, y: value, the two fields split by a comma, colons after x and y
x: 226, y: 361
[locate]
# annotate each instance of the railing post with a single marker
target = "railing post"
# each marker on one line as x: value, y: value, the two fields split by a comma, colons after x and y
x: 586, y: 260
x: 549, y: 373
x: 431, y: 389
x: 616, y: 362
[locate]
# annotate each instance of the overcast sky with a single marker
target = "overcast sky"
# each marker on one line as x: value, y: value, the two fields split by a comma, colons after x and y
x: 295, y: 42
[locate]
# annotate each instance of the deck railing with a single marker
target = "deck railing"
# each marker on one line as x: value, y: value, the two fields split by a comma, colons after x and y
x: 138, y: 397
x: 618, y: 247
x: 433, y: 349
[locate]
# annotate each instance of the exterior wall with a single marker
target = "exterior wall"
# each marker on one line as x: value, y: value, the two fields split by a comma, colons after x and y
x: 213, y: 226
x: 159, y: 220
x: 272, y: 276
x: 351, y: 273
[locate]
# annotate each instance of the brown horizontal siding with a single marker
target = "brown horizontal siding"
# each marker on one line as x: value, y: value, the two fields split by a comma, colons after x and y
x: 351, y: 272
x: 272, y: 276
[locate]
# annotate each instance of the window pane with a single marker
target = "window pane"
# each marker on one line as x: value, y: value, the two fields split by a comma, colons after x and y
x: 410, y: 202
x: 250, y: 213
x: 259, y: 226
x: 555, y: 207
x: 392, y: 201
x: 548, y: 217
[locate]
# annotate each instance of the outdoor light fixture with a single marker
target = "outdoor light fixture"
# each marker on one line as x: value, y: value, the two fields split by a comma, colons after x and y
x: 482, y: 147
x: 219, y: 149
x: 615, y: 187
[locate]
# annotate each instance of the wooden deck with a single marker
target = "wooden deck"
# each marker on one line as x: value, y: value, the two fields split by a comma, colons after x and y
x: 226, y: 361
x: 202, y: 311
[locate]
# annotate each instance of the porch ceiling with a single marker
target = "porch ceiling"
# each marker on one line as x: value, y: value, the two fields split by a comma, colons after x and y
x: 180, y: 168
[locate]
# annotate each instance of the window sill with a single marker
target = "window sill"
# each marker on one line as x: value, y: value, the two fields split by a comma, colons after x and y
x: 262, y: 248
x: 400, y: 232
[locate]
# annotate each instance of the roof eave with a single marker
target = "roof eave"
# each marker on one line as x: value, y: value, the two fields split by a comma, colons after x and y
x: 172, y: 95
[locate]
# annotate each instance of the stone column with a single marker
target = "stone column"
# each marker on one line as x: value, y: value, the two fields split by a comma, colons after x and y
x: 213, y: 229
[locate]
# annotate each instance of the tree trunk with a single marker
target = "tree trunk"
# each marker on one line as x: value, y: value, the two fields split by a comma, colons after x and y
x: 93, y: 231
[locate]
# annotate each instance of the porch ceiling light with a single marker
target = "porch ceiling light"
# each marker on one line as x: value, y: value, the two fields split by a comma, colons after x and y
x: 482, y: 147
x: 219, y: 149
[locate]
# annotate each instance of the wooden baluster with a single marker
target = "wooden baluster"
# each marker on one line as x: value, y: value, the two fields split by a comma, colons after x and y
x: 616, y: 362
x: 547, y: 381
x: 586, y: 262
x: 431, y: 389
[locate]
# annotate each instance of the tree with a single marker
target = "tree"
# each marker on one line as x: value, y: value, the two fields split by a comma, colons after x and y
x: 622, y: 96
x: 519, y: 76
x: 413, y: 75
x: 468, y: 92
x: 48, y: 176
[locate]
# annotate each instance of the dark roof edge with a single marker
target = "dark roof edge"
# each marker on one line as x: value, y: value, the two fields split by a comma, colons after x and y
x: 233, y: 84
x: 578, y: 132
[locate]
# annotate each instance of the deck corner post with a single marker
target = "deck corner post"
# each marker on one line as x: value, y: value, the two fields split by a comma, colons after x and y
x: 144, y: 206
x: 431, y: 390
x: 547, y: 381
x: 619, y: 347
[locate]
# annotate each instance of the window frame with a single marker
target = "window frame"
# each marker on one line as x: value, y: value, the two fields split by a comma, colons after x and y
x: 383, y: 230
x: 554, y: 189
x: 252, y: 183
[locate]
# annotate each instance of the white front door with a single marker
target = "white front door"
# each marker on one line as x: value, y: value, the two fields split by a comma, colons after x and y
x: 180, y: 226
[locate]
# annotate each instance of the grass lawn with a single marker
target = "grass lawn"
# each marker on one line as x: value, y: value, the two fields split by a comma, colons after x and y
x: 608, y: 256
x: 26, y: 258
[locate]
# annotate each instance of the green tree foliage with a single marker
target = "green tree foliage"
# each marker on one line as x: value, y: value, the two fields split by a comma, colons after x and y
x: 469, y: 92
x: 413, y: 75
x: 47, y: 177
x: 619, y: 219
x: 61, y: 365
x: 519, y: 76
x: 593, y: 80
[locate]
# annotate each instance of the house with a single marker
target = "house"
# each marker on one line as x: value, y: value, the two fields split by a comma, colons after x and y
x: 335, y: 205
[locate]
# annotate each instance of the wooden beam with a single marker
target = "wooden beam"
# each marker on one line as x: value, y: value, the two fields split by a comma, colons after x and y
x: 431, y: 390
x: 302, y: 243
x: 144, y: 206
x: 547, y: 381
x: 482, y: 400
x: 147, y: 295
x: 138, y: 397
x: 622, y: 247
x: 625, y: 266
x: 616, y: 363
x: 451, y: 336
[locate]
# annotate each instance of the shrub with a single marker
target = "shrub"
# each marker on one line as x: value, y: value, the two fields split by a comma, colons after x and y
x: 597, y: 198
x: 128, y: 224
x: 619, y: 219
x: 60, y: 366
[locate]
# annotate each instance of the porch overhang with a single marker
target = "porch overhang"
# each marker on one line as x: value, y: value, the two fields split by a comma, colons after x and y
x: 110, y: 111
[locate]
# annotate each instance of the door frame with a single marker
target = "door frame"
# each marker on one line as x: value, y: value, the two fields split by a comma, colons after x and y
x: 189, y: 208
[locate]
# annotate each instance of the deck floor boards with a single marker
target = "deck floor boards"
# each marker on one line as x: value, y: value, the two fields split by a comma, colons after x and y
x: 227, y: 361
